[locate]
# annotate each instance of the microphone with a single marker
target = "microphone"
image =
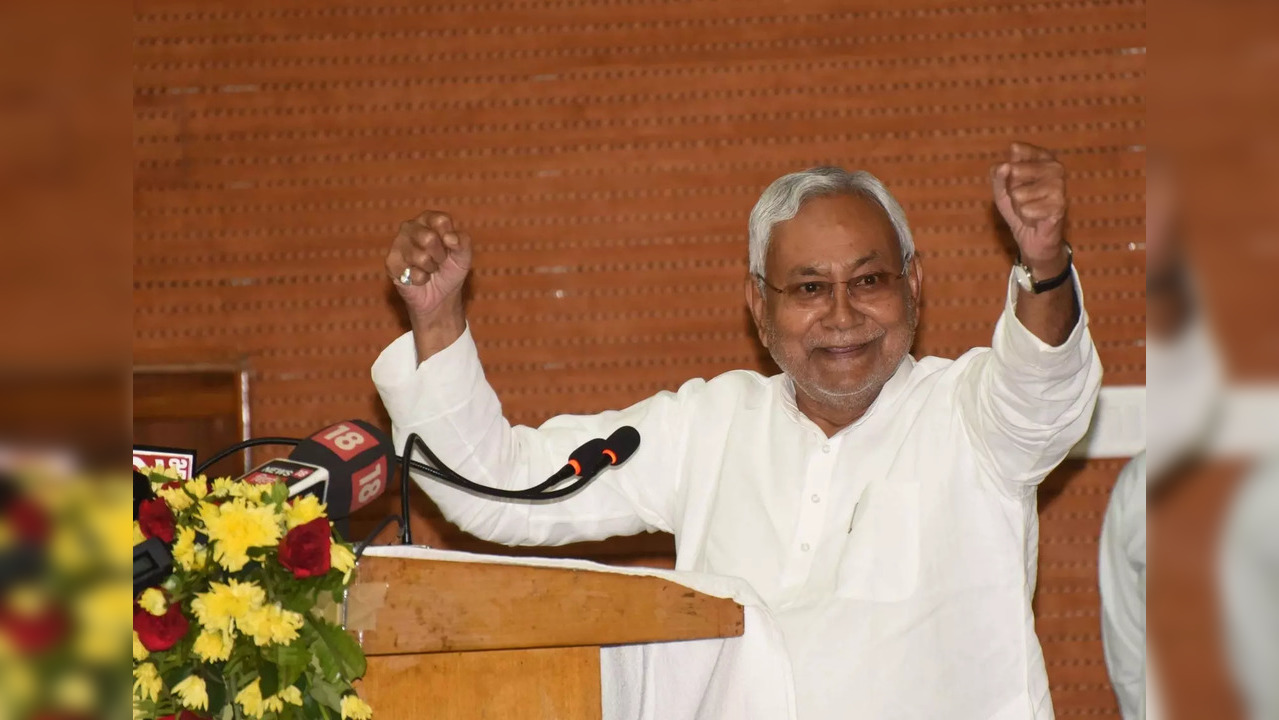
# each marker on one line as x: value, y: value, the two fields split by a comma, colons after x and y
x: 586, y: 462
x: 152, y: 559
x: 619, y: 446
x: 181, y: 460
x: 345, y: 465
x: 583, y: 457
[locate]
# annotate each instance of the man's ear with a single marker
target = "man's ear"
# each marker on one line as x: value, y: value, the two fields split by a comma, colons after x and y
x: 756, y: 303
x: 915, y: 278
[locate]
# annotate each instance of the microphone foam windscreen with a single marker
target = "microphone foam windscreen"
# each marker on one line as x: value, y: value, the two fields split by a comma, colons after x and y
x: 357, y: 455
x: 623, y: 442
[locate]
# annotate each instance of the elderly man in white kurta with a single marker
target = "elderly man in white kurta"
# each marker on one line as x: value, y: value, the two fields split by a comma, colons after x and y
x: 883, y: 507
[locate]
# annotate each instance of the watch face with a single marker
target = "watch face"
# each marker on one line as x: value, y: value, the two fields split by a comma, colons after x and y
x: 1023, y: 278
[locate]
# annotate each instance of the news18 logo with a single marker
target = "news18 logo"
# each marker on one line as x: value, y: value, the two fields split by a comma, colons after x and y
x: 148, y: 458
x: 345, y: 440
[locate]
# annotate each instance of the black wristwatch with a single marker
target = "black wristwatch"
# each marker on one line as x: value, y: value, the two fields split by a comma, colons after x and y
x: 1030, y: 285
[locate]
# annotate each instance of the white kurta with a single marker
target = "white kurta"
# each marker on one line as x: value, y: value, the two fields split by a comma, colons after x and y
x: 898, y: 556
x: 1121, y: 573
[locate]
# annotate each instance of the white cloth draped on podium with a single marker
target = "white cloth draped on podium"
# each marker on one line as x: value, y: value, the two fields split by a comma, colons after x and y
x: 747, y: 677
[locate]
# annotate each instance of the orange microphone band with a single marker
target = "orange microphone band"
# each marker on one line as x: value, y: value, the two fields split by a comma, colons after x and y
x: 612, y: 456
x: 577, y: 467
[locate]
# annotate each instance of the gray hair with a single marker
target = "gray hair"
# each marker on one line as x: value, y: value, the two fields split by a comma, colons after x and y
x: 781, y: 202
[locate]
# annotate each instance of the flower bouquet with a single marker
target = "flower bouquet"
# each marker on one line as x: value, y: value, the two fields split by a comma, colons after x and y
x: 234, y: 632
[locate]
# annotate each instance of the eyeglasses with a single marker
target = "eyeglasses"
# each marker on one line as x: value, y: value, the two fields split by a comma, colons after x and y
x: 866, y: 288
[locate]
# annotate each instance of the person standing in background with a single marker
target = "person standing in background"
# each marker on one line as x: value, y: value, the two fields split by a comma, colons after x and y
x: 1183, y: 381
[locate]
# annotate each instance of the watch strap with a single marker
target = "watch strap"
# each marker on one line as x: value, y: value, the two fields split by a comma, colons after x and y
x: 1041, y: 286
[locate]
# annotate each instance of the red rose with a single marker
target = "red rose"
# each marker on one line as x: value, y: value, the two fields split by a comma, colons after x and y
x: 156, y: 519
x: 305, y: 550
x: 34, y: 633
x: 160, y: 632
x: 29, y: 520
x: 184, y: 714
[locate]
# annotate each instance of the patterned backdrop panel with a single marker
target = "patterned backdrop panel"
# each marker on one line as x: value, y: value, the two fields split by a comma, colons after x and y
x: 604, y: 156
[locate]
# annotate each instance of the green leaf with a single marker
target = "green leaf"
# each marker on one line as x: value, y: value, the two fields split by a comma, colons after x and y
x: 310, y: 708
x: 217, y: 693
x: 175, y: 675
x: 240, y: 654
x: 270, y: 676
x: 324, y: 662
x: 292, y: 660
x: 327, y: 695
x: 297, y: 601
x: 344, y: 648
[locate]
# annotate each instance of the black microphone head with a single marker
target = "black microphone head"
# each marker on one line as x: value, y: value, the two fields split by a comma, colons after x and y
x: 585, y: 457
x: 359, y: 459
x: 622, y: 444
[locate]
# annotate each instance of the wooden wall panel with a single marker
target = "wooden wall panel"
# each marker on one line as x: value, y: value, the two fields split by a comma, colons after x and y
x: 605, y: 156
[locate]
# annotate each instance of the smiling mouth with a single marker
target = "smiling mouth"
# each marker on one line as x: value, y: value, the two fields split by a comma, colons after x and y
x: 844, y: 350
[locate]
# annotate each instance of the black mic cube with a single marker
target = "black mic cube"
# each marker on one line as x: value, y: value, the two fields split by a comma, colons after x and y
x: 358, y: 456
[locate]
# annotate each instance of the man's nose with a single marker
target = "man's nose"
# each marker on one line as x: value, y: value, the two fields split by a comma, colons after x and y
x: 841, y: 312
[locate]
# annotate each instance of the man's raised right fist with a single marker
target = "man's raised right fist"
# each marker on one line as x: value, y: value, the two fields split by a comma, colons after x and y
x: 428, y: 262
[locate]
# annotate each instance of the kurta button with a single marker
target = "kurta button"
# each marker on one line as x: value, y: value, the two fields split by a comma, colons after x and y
x: 826, y: 448
x: 804, y: 547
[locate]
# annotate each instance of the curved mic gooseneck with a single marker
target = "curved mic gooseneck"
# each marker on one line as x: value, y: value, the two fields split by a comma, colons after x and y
x: 585, y: 463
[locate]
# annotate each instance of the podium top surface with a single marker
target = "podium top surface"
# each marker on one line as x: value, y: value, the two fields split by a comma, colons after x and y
x: 405, y: 605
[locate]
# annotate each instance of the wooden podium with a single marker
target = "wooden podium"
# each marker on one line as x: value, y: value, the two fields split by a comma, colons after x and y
x: 450, y: 640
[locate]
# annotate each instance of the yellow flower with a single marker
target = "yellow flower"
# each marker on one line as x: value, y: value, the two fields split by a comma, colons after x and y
x: 197, y: 487
x: 28, y: 599
x: 222, y: 487
x: 212, y: 646
x: 235, y: 527
x: 341, y: 559
x: 18, y: 683
x: 225, y: 603
x: 168, y: 472
x: 290, y: 695
x: 189, y: 555
x: 146, y: 682
x: 107, y: 523
x: 303, y: 510
x: 104, y: 615
x: 75, y: 691
x: 176, y: 498
x: 72, y: 551
x: 252, y: 492
x: 137, y: 533
x: 353, y: 708
x: 193, y: 693
x: 250, y: 699
x: 271, y: 624
x: 139, y: 650
x: 152, y: 600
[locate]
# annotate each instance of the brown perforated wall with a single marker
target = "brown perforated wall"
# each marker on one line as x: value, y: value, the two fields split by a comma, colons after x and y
x: 604, y: 156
